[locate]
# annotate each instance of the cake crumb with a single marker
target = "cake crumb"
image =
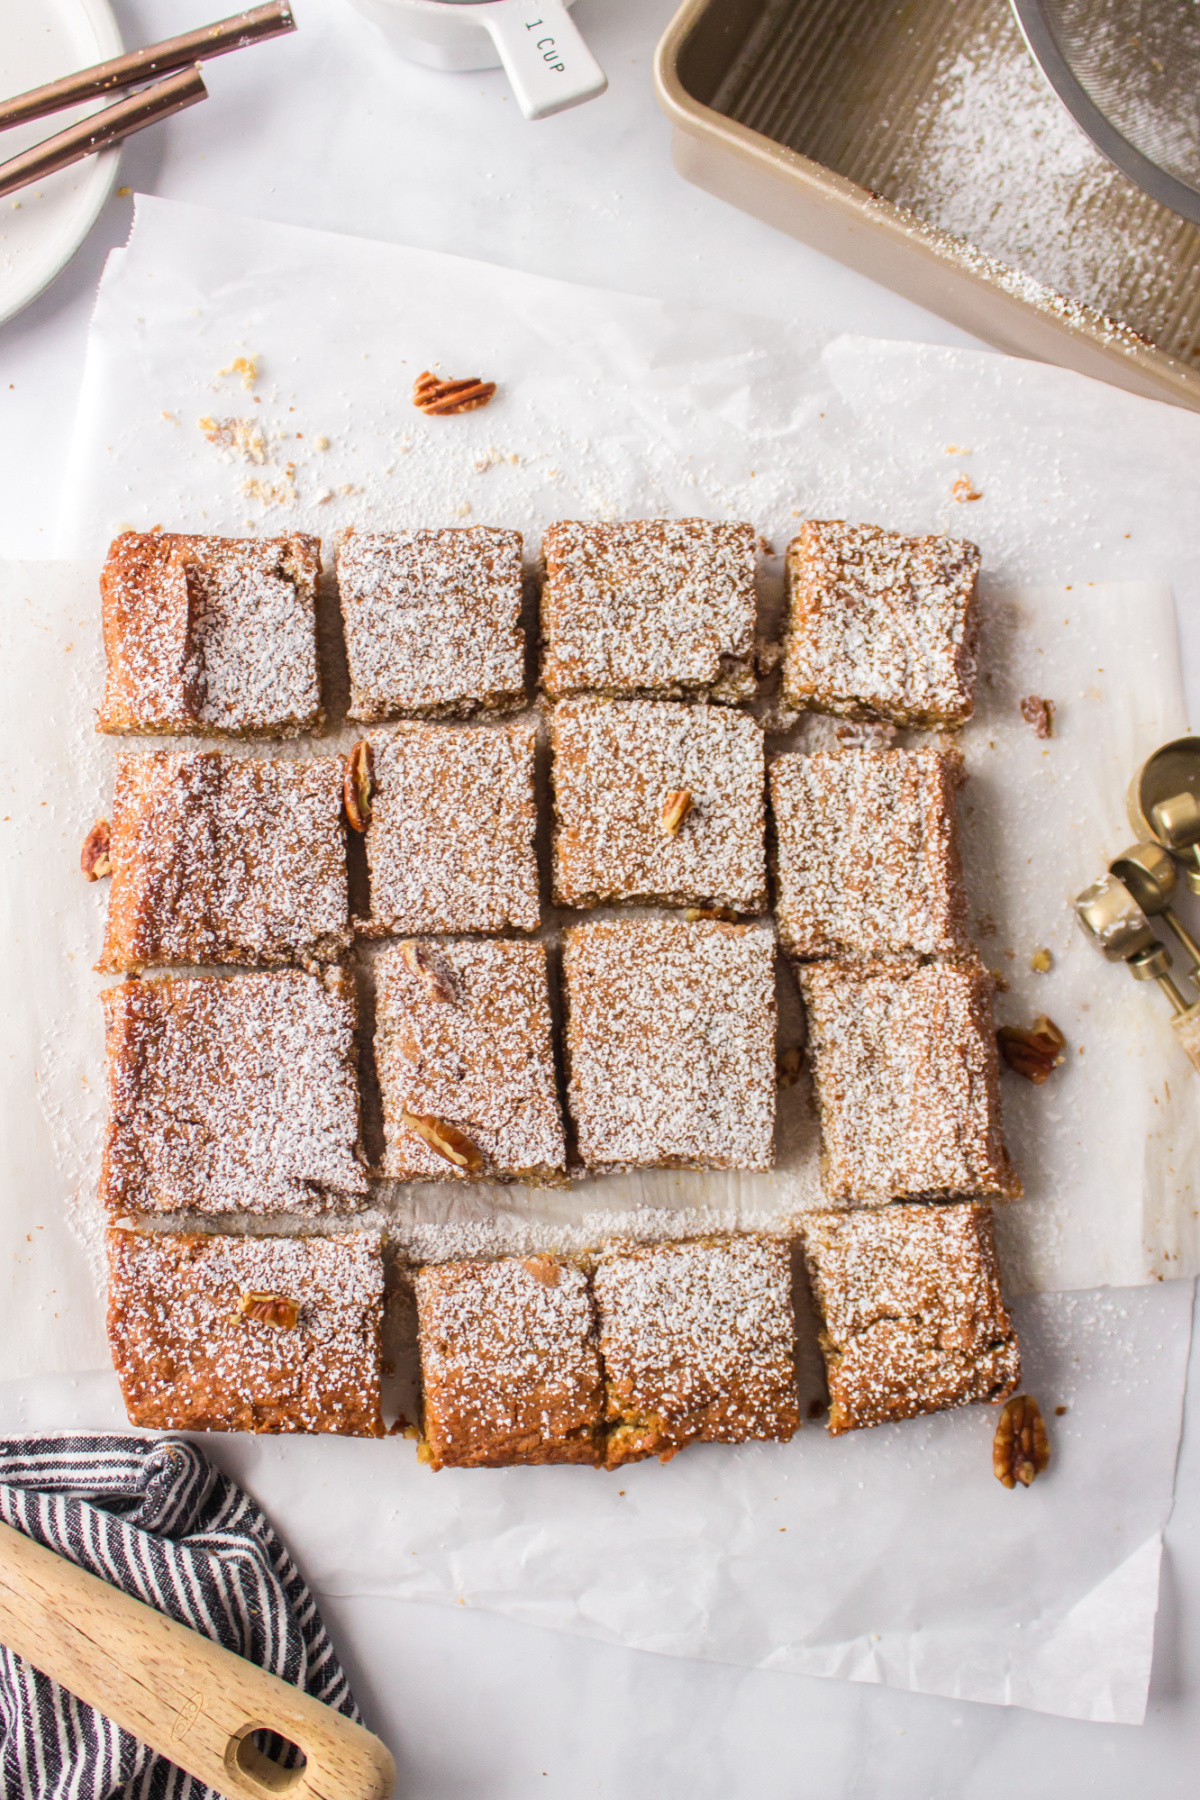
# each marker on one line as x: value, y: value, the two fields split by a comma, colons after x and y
x: 236, y: 438
x: 246, y: 367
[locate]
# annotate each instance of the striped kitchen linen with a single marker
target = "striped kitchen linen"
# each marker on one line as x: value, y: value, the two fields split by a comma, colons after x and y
x: 155, y: 1518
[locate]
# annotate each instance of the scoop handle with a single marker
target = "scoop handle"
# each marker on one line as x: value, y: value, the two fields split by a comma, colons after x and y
x: 545, y: 58
x: 188, y: 1698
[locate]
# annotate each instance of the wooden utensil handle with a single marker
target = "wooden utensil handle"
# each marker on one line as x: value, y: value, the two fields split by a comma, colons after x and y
x: 188, y: 1698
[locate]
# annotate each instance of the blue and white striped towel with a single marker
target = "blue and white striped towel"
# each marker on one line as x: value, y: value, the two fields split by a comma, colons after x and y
x: 155, y: 1518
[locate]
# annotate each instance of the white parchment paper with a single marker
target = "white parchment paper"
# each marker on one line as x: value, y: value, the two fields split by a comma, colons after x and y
x: 889, y: 1556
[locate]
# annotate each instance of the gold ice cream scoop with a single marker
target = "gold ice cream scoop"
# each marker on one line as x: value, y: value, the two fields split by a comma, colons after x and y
x: 1112, y: 917
x: 1164, y: 803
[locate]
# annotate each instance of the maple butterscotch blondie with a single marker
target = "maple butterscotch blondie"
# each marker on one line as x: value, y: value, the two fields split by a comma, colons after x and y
x: 670, y: 1043
x: 221, y: 859
x: 211, y: 635
x: 881, y: 626
x: 432, y: 621
x: 466, y: 1061
x: 235, y: 1095
x: 450, y: 842
x: 510, y: 1370
x: 619, y: 768
x: 866, y: 853
x: 911, y: 1312
x: 697, y: 1342
x: 661, y: 607
x: 247, y: 1333
x: 907, y: 1079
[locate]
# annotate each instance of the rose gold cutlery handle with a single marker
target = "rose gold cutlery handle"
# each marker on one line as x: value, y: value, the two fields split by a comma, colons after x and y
x: 105, y: 127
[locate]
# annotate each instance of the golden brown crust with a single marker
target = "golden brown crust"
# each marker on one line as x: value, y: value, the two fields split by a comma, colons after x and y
x: 463, y: 1034
x: 190, y: 1359
x: 221, y: 859
x: 510, y: 1370
x: 232, y: 1096
x: 211, y: 635
x: 866, y: 853
x: 881, y: 626
x: 907, y: 1079
x: 913, y: 1319
x: 660, y: 607
x: 697, y: 1341
x: 657, y: 801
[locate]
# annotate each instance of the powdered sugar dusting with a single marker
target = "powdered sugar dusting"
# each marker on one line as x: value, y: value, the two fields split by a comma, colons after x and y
x: 660, y: 606
x: 670, y: 1043
x: 912, y: 1312
x: 614, y: 763
x: 867, y: 854
x: 907, y: 1080
x: 220, y: 859
x: 509, y: 1365
x: 232, y: 1096
x: 881, y: 625
x: 188, y: 1361
x: 697, y: 1344
x: 207, y: 634
x: 451, y: 839
x: 432, y: 621
x: 482, y: 1059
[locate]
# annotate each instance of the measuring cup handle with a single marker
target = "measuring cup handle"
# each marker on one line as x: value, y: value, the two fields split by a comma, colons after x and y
x: 545, y: 58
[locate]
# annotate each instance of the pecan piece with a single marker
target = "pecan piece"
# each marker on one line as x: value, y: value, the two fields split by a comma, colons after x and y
x: 1033, y: 1053
x: 1040, y: 714
x: 418, y: 961
x: 95, y: 859
x: 545, y: 1269
x: 675, y: 808
x: 359, y: 785
x: 270, y: 1309
x: 433, y: 395
x: 1020, y: 1448
x: 445, y: 1139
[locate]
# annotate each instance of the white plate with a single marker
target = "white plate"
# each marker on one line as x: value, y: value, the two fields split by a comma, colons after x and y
x: 42, y: 226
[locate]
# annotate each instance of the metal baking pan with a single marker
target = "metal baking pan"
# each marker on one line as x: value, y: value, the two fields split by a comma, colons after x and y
x: 918, y: 143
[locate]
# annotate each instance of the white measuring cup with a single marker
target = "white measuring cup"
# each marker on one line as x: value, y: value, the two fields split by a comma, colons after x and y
x: 547, y: 62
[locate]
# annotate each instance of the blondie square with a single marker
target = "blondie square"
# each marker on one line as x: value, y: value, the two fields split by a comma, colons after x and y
x: 432, y: 621
x: 659, y: 607
x: 247, y: 1333
x: 510, y: 1371
x: 912, y: 1317
x: 233, y: 1095
x: 697, y: 1341
x: 211, y: 634
x: 619, y: 765
x: 466, y: 1061
x: 220, y: 859
x: 866, y: 853
x: 670, y: 1043
x: 907, y: 1079
x: 881, y: 626
x: 450, y: 843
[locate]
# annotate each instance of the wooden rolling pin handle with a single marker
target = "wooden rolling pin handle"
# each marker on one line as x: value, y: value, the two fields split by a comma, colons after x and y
x: 188, y: 1698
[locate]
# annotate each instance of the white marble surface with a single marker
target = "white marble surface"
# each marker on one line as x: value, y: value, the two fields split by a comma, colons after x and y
x: 326, y: 129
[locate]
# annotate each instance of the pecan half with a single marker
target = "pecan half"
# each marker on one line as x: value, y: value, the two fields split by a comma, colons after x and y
x: 418, y: 961
x: 1040, y: 714
x: 359, y: 785
x: 545, y: 1269
x: 1033, y: 1053
x: 270, y: 1309
x: 446, y: 1139
x: 435, y: 396
x: 95, y: 858
x: 1020, y: 1448
x: 675, y: 808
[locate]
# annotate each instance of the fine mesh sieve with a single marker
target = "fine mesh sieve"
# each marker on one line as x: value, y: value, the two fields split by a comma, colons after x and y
x: 1128, y: 71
